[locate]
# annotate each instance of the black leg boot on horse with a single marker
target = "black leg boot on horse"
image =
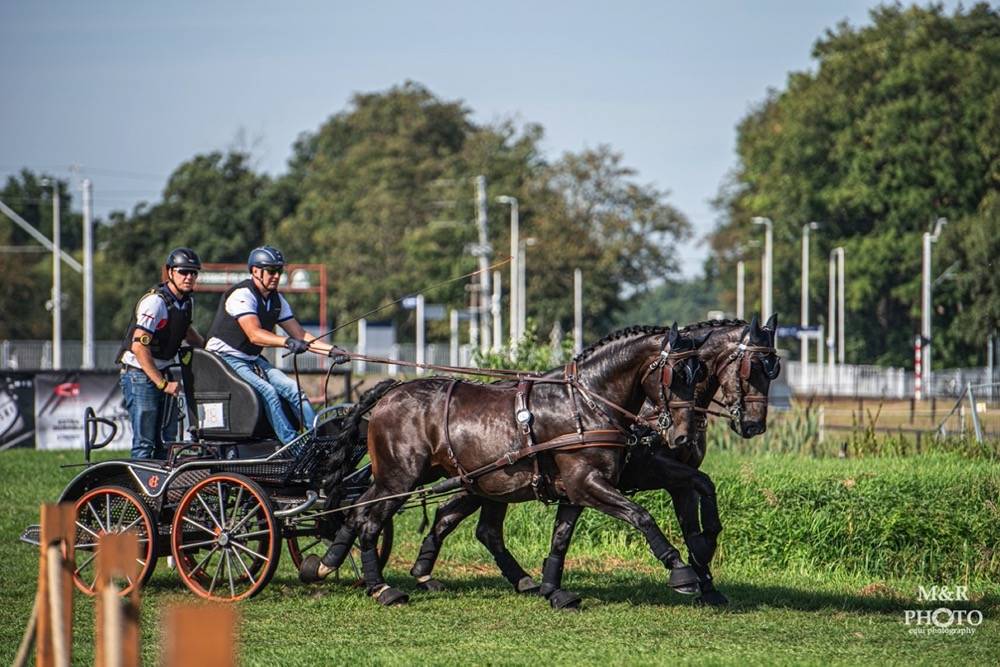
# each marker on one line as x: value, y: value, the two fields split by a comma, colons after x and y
x: 552, y: 568
x: 698, y: 514
x: 446, y: 519
x: 314, y: 569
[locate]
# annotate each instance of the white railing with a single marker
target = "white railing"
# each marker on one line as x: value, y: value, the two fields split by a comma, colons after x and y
x: 876, y: 381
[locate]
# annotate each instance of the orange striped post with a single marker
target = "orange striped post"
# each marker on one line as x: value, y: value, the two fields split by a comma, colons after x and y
x: 55, y: 585
x: 201, y: 635
x: 117, y: 623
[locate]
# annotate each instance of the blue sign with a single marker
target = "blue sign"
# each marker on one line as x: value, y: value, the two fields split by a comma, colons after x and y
x: 793, y: 331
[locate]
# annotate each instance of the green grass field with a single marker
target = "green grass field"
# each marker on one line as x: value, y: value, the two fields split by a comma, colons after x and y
x: 820, y: 557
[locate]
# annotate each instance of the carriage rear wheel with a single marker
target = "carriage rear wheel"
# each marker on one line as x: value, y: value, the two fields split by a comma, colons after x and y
x: 112, y: 509
x: 308, y: 541
x: 225, y: 538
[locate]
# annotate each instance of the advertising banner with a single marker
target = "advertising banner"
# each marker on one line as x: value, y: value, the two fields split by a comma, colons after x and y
x: 17, y: 410
x: 60, y: 399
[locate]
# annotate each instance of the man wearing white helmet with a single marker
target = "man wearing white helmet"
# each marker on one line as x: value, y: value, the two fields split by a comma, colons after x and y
x: 244, y: 325
x: 161, y: 321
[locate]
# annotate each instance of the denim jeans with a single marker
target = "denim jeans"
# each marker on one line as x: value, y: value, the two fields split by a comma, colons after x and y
x: 272, y: 390
x: 153, y: 415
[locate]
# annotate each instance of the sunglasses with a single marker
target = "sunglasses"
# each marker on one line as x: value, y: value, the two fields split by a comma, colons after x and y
x: 187, y: 272
x: 273, y: 272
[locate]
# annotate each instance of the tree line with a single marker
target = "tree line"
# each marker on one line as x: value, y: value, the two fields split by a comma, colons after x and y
x: 896, y: 126
x: 383, y: 194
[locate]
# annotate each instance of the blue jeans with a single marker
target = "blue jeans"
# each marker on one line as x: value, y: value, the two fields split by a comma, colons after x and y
x: 272, y: 390
x: 153, y: 415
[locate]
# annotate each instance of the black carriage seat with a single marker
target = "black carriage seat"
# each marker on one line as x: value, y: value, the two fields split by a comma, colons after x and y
x: 221, y: 406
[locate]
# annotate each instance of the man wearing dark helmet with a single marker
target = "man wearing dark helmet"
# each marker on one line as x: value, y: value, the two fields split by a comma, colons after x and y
x: 161, y: 321
x: 244, y: 325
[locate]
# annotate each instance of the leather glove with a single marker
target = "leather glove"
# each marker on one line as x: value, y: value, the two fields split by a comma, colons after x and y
x: 296, y: 345
x: 339, y: 355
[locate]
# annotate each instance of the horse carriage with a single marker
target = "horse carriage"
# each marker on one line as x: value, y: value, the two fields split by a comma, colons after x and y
x: 222, y: 504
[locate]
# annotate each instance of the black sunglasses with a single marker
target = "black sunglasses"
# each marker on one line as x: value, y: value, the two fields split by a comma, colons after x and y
x: 273, y: 272
x: 187, y: 272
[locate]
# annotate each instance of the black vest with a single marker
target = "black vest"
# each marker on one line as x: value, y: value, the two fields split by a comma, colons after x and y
x: 227, y: 329
x: 166, y: 341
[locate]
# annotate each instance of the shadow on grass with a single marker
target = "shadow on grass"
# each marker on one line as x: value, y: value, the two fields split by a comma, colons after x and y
x: 608, y: 588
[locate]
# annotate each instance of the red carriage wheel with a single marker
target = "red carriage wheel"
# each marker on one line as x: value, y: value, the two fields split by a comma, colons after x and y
x: 307, y: 541
x: 225, y: 539
x: 112, y: 509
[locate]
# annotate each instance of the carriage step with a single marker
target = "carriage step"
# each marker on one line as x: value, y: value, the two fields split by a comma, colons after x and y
x: 32, y: 535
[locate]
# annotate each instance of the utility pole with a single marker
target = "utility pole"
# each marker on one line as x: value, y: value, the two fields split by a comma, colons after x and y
x: 514, y: 273
x: 56, y: 279
x: 484, y: 265
x: 766, y: 267
x: 421, y: 325
x: 740, y: 280
x: 577, y: 311
x: 88, y: 276
x: 840, y: 304
x: 497, y: 318
x: 925, y: 302
x: 831, y: 316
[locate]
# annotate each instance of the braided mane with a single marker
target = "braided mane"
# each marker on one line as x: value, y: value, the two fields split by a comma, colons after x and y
x: 651, y: 330
x: 637, y: 330
x: 712, y: 324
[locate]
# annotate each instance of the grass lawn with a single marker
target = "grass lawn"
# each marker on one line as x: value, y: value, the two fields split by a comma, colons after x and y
x: 787, y: 606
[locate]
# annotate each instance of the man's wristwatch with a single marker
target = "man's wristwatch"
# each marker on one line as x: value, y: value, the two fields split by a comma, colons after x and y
x: 162, y: 384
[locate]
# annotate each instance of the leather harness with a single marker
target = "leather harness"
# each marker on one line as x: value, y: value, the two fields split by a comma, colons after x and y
x: 527, y: 445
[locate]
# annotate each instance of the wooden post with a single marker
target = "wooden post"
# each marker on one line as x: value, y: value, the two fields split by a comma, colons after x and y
x: 117, y: 628
x: 200, y: 636
x: 58, y: 530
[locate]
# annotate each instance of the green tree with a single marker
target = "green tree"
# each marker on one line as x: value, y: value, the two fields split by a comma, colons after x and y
x: 897, y: 126
x: 214, y: 203
x: 27, y: 268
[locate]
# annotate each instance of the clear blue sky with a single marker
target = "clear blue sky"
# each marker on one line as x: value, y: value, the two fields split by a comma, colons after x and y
x: 129, y: 90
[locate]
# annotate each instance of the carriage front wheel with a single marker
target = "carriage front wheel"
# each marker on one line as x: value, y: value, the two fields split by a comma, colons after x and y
x: 112, y: 509
x: 225, y: 539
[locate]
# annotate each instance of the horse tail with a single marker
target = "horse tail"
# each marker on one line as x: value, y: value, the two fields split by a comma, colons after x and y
x: 349, y: 447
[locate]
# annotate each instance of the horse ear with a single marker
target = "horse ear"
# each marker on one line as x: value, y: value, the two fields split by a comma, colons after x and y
x: 754, y: 327
x: 772, y: 322
x: 674, y: 335
x: 701, y: 341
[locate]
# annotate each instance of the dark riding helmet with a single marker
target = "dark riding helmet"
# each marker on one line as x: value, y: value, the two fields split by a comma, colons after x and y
x: 266, y: 257
x: 183, y: 258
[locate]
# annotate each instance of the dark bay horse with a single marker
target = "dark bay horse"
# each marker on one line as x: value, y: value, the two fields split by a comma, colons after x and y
x: 740, y: 361
x: 424, y: 429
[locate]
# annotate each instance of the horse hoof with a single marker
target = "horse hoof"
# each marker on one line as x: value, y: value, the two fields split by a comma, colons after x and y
x: 683, y: 579
x: 392, y: 596
x: 527, y: 585
x: 560, y: 599
x: 309, y: 570
x: 711, y: 598
x: 432, y: 585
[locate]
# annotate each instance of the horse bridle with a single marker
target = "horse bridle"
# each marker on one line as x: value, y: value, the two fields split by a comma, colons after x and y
x: 743, y: 354
x: 662, y: 363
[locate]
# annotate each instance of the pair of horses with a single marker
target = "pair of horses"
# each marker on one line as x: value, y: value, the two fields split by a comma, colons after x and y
x: 560, y: 436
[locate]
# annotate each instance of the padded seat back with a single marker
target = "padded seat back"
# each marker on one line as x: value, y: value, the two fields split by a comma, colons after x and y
x: 220, y: 404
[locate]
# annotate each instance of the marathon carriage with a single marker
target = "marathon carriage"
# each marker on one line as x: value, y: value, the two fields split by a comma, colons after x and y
x: 223, y: 503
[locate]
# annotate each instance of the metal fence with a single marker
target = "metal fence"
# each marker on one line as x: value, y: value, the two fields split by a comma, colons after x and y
x: 877, y: 381
x: 803, y: 380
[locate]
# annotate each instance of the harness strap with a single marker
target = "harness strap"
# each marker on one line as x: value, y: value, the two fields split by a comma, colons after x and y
x: 466, y: 481
x: 568, y: 441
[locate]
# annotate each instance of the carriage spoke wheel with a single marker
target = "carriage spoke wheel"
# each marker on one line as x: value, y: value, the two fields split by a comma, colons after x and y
x: 309, y: 541
x: 112, y: 509
x: 225, y: 539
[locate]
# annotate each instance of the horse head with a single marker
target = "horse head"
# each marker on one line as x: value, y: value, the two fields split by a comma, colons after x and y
x: 745, y: 377
x: 670, y: 384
